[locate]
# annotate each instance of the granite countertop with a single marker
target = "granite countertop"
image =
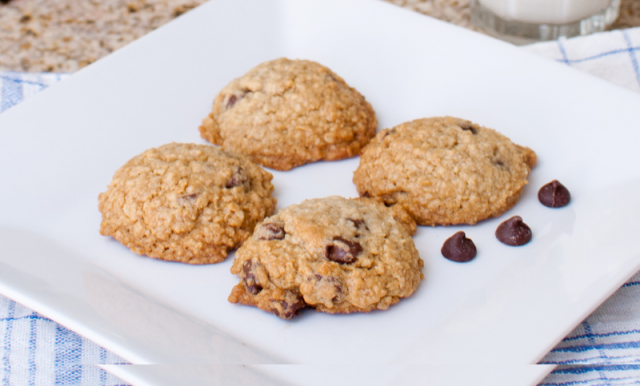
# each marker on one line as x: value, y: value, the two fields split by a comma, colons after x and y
x: 66, y: 35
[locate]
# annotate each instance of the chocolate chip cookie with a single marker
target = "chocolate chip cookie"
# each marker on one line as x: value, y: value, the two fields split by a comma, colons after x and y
x: 444, y: 170
x: 185, y: 202
x: 286, y: 113
x: 334, y: 254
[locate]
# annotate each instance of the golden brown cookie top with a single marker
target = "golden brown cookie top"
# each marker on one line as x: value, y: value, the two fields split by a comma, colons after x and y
x: 185, y: 202
x: 444, y: 170
x: 286, y: 113
x: 335, y: 254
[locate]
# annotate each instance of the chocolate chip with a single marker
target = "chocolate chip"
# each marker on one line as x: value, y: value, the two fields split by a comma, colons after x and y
x: 238, y: 178
x: 469, y: 127
x: 514, y: 232
x: 290, y: 305
x: 249, y: 279
x: 232, y: 101
x: 358, y: 223
x: 554, y: 195
x: 366, y: 194
x: 234, y: 98
x: 458, y: 248
x: 290, y: 309
x: 272, y: 232
x: 342, y: 255
x: 388, y: 132
x: 189, y: 198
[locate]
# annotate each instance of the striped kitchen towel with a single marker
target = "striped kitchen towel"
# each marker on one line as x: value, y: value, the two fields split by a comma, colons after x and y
x: 603, y: 350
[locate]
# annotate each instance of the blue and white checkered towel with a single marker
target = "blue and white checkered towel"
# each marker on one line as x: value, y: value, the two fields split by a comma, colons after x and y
x: 603, y: 350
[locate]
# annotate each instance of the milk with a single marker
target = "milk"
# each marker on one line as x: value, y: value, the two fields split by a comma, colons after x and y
x: 545, y: 11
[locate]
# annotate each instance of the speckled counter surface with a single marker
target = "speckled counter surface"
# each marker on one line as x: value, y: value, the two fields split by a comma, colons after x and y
x: 66, y: 35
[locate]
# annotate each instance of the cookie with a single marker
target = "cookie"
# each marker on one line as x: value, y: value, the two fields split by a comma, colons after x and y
x: 334, y: 254
x: 444, y: 170
x: 185, y: 202
x: 286, y: 113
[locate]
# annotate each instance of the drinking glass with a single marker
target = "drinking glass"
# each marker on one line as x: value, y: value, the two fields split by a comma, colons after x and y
x: 527, y: 21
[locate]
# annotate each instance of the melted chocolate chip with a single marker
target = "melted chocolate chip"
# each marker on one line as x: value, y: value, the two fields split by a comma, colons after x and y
x: 290, y: 309
x: 234, y: 98
x: 338, y: 253
x: 337, y: 284
x: 339, y: 295
x: 232, y: 101
x: 249, y: 279
x: 498, y: 162
x: 458, y: 248
x: 272, y: 232
x: 470, y: 128
x: 291, y: 305
x: 388, y: 132
x: 358, y: 223
x: 238, y: 178
x: 188, y: 199
x: 514, y: 232
x: 554, y: 195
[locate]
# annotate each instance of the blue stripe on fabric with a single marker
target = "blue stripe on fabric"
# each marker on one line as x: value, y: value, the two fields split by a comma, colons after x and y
x: 6, y: 358
x: 583, y: 361
x: 592, y: 340
x: 11, y: 93
x: 601, y: 55
x: 565, y: 59
x: 588, y: 381
x: 32, y: 316
x: 617, y: 384
x: 634, y: 61
x: 103, y: 360
x: 22, y: 81
x: 568, y: 383
x: 631, y: 284
x: 68, y: 357
x: 590, y: 368
x: 32, y: 351
x: 609, y: 346
x: 614, y: 333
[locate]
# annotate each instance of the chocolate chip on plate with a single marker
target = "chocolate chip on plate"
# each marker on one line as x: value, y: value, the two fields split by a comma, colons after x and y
x: 513, y: 232
x: 458, y: 248
x: 554, y: 195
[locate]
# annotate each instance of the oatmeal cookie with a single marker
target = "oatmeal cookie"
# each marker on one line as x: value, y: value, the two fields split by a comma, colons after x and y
x: 444, y: 170
x: 335, y: 254
x: 286, y: 113
x: 185, y: 202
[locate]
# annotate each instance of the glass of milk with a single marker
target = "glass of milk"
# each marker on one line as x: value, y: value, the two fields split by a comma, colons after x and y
x: 527, y: 21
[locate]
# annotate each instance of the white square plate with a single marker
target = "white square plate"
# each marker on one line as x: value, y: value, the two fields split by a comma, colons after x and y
x: 510, y: 305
